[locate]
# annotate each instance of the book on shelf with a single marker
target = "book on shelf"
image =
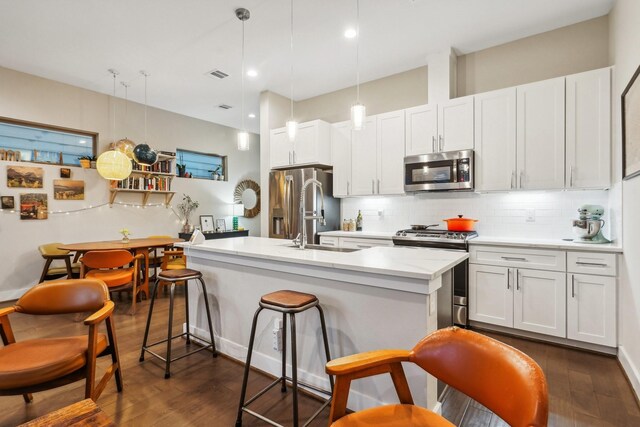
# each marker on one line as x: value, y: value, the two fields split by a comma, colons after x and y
x: 161, y: 166
x: 156, y: 183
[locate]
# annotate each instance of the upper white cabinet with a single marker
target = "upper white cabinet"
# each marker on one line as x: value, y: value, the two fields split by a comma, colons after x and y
x: 391, y: 138
x: 311, y: 147
x: 364, y: 158
x: 588, y: 138
x: 495, y: 140
x: 341, y: 152
x: 421, y: 125
x: 455, y: 124
x: 540, y: 135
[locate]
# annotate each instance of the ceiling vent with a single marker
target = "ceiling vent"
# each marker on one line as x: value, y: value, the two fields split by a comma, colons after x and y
x: 217, y: 74
x: 225, y: 106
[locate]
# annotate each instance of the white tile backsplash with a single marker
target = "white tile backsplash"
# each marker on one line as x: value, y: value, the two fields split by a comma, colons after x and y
x: 499, y: 214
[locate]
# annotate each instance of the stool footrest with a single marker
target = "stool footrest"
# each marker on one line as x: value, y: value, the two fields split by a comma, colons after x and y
x: 164, y: 359
x: 167, y: 339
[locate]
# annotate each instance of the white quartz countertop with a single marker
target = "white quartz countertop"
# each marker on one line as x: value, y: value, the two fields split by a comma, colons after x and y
x: 546, y: 244
x: 407, y: 262
x: 386, y: 235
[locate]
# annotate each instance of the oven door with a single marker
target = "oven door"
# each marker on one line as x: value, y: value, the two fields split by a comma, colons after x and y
x: 440, y: 171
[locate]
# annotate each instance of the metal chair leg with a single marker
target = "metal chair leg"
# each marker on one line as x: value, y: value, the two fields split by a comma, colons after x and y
x: 186, y: 303
x: 167, y: 372
x: 325, y: 339
x: 210, y: 322
x: 247, y: 366
x: 294, y: 370
x: 284, y: 353
x: 146, y: 329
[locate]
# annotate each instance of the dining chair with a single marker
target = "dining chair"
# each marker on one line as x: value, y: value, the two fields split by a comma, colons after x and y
x: 156, y: 254
x: 503, y: 379
x: 51, y: 253
x: 40, y: 364
x: 112, y: 267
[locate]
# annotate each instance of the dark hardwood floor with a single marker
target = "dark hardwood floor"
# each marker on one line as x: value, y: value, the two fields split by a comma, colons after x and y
x: 584, y: 389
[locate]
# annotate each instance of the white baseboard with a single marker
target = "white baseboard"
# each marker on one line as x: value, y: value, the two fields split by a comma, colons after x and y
x: 12, y: 294
x: 271, y: 365
x: 630, y: 370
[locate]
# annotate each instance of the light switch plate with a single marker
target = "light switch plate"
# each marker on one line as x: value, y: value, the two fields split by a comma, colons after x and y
x: 531, y: 215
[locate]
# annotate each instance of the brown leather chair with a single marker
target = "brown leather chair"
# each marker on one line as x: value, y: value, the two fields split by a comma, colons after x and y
x: 40, y: 364
x: 51, y: 253
x: 503, y: 379
x: 112, y: 268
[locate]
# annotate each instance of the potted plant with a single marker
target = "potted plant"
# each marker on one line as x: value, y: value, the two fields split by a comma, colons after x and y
x: 125, y: 235
x: 93, y: 160
x: 186, y: 208
x: 182, y: 168
x: 85, y: 161
x: 215, y: 174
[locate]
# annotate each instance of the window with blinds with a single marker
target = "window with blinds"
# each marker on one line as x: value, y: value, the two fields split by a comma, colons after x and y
x: 201, y: 165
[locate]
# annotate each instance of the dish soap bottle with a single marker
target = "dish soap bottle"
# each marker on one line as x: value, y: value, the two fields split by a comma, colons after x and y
x: 359, y: 221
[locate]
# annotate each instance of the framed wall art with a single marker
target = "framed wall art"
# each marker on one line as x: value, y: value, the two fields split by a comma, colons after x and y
x: 631, y: 128
x: 24, y: 176
x: 206, y: 223
x: 34, y: 206
x: 8, y: 202
x: 65, y: 172
x: 221, y: 225
x: 67, y: 189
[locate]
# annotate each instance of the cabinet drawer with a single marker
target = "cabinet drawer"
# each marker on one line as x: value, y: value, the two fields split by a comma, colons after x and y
x: 348, y: 242
x: 591, y: 263
x: 518, y: 257
x: 330, y: 241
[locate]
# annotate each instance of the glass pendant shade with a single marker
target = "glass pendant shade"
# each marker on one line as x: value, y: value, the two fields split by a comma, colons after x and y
x: 358, y: 116
x: 126, y: 147
x: 292, y: 129
x: 114, y: 165
x: 243, y: 141
x: 145, y: 155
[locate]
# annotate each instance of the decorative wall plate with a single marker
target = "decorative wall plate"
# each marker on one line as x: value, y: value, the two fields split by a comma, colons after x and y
x: 247, y: 192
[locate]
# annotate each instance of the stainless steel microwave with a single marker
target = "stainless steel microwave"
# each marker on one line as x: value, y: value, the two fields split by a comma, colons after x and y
x: 448, y: 171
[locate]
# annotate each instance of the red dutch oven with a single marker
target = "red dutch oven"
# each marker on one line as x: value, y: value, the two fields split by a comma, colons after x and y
x: 460, y: 224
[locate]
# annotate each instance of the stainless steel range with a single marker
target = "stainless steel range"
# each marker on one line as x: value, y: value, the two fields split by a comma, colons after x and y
x: 426, y: 236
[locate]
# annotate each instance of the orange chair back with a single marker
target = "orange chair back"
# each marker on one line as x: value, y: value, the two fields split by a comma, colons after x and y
x: 503, y: 379
x: 64, y: 296
x: 107, y: 259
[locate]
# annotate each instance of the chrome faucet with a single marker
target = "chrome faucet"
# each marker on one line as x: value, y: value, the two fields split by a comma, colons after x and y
x: 301, y: 239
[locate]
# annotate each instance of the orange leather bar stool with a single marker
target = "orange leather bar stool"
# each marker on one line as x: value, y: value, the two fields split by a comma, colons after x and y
x: 112, y: 268
x: 501, y: 378
x: 41, y: 364
x: 177, y: 277
x: 51, y: 253
x: 285, y: 302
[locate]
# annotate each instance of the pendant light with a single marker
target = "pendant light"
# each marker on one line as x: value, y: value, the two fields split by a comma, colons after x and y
x: 358, y: 110
x: 291, y: 124
x: 125, y: 145
x: 243, y: 136
x: 143, y: 154
x: 113, y: 164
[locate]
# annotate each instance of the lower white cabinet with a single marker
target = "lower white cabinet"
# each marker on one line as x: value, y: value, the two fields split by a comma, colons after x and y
x: 490, y: 295
x: 540, y: 303
x: 591, y: 309
x: 354, y: 242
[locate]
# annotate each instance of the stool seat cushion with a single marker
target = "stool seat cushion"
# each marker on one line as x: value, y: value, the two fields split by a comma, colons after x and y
x: 112, y: 278
x: 178, y: 274
x: 37, y: 361
x: 393, y: 416
x: 288, y: 299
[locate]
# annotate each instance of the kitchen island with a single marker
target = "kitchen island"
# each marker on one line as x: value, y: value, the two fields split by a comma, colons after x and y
x: 382, y: 297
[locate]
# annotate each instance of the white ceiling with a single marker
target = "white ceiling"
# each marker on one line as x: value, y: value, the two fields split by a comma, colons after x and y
x: 177, y: 42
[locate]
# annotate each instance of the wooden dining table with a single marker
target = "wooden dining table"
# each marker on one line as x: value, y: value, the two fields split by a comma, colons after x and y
x: 139, y: 246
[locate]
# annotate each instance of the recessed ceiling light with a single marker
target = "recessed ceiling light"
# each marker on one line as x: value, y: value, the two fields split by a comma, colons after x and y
x: 350, y: 33
x: 82, y: 141
x: 252, y: 116
x: 252, y: 73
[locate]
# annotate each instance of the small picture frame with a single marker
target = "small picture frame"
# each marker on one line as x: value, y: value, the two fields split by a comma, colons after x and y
x: 206, y: 223
x: 65, y: 173
x: 8, y: 202
x: 221, y: 226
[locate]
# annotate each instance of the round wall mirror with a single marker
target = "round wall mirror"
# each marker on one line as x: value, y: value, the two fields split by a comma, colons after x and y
x: 247, y: 192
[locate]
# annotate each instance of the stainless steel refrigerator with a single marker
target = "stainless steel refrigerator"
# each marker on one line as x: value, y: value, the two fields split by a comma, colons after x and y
x: 284, y: 203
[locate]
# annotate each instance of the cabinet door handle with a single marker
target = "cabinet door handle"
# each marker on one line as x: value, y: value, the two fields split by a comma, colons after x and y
x: 571, y: 176
x: 573, y: 287
x: 513, y: 258
x: 513, y: 178
x: 373, y: 186
x: 591, y: 264
x: 328, y: 244
x: 378, y: 186
x: 521, y: 178
x: 294, y: 157
x: 364, y: 246
x: 518, y: 281
x: 508, y: 279
x: 347, y: 188
x: 440, y: 143
x: 433, y: 144
x: 289, y: 157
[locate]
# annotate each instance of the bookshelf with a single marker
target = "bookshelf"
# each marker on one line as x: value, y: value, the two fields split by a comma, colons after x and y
x: 148, y: 180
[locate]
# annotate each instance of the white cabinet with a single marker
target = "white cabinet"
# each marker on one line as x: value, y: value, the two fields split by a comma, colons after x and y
x: 591, y: 309
x: 364, y: 158
x: 341, y: 153
x: 495, y: 140
x: 540, y: 135
x: 311, y: 147
x: 490, y: 295
x: 455, y: 124
x: 390, y: 163
x: 354, y: 242
x: 330, y: 241
x: 421, y: 125
x: 377, y: 156
x: 588, y: 153
x: 540, y: 302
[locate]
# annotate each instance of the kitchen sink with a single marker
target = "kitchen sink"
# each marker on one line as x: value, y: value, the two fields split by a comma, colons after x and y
x: 328, y: 248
